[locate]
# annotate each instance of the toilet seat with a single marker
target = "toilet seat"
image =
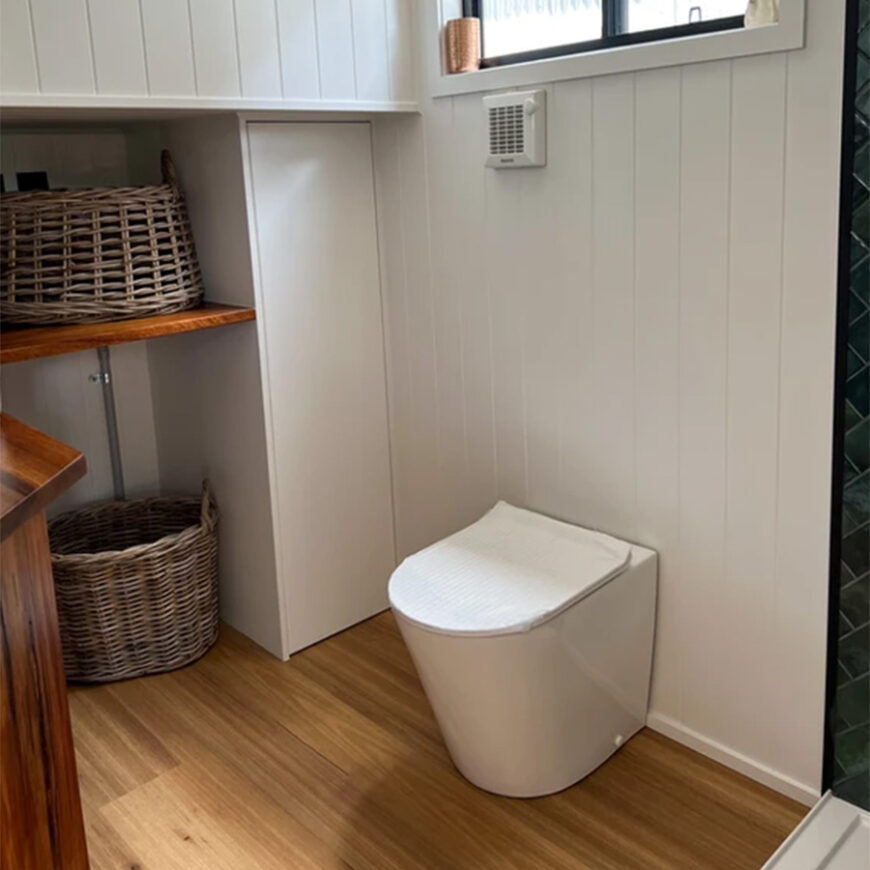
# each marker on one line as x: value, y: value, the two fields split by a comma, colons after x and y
x: 507, y: 573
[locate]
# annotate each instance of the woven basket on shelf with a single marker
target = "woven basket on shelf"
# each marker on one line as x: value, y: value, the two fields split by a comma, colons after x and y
x: 136, y: 586
x: 98, y: 254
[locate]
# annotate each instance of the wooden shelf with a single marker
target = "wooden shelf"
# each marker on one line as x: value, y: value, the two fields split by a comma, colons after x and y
x: 32, y: 342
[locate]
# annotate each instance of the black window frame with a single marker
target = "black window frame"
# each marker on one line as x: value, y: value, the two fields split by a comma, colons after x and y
x: 614, y: 19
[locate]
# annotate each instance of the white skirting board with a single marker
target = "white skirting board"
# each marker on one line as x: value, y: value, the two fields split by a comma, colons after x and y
x: 835, y: 835
x: 774, y: 779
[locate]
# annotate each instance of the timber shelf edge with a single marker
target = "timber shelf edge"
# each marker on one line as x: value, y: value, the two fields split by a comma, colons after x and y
x: 32, y: 342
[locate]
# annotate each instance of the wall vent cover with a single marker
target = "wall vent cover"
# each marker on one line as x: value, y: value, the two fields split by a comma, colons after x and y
x: 517, y: 129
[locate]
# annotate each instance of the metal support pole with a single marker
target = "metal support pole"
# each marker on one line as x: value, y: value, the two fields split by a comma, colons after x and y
x: 104, y: 378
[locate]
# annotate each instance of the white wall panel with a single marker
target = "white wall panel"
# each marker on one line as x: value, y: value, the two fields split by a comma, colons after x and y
x: 810, y: 231
x: 754, y: 302
x: 18, y: 71
x: 613, y: 473
x: 215, y: 52
x: 247, y: 53
x: 644, y: 345
x: 63, y: 46
x: 704, y: 186
x: 168, y: 48
x: 370, y: 49
x: 467, y: 258
x: 119, y: 50
x: 657, y: 358
x: 335, y: 49
x: 257, y: 26
x: 401, y: 40
x: 297, y: 32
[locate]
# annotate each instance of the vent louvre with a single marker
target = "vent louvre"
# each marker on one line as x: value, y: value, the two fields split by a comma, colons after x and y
x: 506, y: 130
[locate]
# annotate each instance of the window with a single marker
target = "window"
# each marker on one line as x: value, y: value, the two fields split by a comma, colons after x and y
x: 514, y: 31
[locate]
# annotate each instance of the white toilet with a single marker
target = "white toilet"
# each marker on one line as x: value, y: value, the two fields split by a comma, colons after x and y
x: 533, y: 639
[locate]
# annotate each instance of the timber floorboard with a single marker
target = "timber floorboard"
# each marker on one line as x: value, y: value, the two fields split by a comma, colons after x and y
x: 333, y: 760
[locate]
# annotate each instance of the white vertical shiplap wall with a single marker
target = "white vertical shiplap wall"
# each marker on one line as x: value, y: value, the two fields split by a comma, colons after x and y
x: 54, y: 394
x: 640, y: 338
x: 256, y: 50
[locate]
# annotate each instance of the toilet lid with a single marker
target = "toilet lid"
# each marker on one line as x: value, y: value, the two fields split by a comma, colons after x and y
x: 508, y: 572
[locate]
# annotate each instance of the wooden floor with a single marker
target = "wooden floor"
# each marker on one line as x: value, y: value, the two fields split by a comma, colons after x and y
x: 333, y: 760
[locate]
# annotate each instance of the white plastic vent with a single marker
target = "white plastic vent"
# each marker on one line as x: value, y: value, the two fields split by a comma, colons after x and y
x: 517, y: 129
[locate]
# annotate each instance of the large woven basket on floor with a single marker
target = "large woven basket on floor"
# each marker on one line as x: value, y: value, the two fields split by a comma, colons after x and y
x: 136, y: 586
x: 74, y: 256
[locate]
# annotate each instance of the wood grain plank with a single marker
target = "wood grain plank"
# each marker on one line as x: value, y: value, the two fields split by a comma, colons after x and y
x: 40, y: 807
x: 34, y: 470
x: 30, y: 343
x: 333, y: 760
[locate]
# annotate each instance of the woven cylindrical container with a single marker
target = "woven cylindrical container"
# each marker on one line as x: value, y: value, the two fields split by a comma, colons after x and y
x: 463, y: 45
x: 97, y: 254
x: 136, y: 586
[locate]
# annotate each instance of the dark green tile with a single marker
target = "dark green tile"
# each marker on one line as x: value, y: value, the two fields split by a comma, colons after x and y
x: 858, y: 391
x: 859, y: 279
x: 854, y: 652
x: 852, y: 749
x: 861, y: 170
x: 854, y: 789
x: 853, y: 701
x: 855, y: 602
x: 852, y: 417
x: 858, y: 446
x: 859, y: 335
x: 856, y: 308
x: 846, y: 627
x: 856, y: 502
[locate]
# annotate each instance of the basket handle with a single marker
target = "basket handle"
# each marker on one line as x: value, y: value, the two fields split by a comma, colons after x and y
x: 208, y: 509
x: 167, y: 168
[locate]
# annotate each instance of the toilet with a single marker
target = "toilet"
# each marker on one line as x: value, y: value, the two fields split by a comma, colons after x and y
x: 533, y: 639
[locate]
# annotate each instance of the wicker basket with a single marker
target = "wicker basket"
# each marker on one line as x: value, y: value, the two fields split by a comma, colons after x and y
x: 74, y: 256
x: 136, y: 586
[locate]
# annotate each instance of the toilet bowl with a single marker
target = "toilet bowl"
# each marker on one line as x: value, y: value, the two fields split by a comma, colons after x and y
x: 533, y: 640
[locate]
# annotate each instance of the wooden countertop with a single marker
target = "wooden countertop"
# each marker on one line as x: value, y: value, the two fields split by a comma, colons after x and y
x: 29, y: 342
x: 34, y: 471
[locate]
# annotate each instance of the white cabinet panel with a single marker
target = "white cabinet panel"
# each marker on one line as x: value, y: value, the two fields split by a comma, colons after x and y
x: 17, y: 54
x: 215, y: 55
x: 312, y: 203
x: 257, y: 26
x: 119, y: 52
x: 63, y: 46
x: 168, y: 48
x: 297, y: 33
x: 370, y: 49
x: 335, y: 50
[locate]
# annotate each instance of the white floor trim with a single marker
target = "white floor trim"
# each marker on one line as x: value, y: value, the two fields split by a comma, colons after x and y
x: 834, y: 836
x: 774, y: 779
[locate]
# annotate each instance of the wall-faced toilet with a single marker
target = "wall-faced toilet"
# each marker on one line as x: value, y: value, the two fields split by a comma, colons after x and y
x: 533, y: 640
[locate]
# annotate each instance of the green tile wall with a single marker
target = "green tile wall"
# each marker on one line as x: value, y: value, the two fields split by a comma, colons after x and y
x: 852, y: 708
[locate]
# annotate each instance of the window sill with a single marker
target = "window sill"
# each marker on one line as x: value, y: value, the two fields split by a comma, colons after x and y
x: 787, y: 34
